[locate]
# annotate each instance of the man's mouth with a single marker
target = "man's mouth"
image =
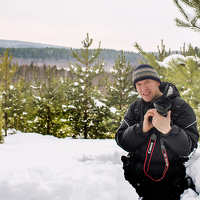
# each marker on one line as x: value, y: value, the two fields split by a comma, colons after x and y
x: 147, y: 93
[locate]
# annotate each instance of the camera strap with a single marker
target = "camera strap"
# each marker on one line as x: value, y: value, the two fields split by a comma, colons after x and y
x: 149, y: 154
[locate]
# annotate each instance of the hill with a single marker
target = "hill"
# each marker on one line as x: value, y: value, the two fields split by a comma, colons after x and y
x: 23, y: 44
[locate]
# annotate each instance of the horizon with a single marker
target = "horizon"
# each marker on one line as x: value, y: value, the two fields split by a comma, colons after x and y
x: 67, y: 47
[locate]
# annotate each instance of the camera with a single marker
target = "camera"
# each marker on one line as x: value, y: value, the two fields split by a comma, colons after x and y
x: 162, y: 106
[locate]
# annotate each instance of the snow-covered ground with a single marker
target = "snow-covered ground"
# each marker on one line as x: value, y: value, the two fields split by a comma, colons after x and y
x: 37, y: 167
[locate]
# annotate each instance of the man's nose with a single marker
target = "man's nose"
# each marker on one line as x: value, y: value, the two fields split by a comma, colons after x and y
x: 144, y: 87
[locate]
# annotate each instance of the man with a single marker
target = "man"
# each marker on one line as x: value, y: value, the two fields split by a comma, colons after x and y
x: 158, y: 144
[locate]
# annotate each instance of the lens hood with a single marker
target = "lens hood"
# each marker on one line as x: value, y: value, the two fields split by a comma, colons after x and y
x: 162, y: 105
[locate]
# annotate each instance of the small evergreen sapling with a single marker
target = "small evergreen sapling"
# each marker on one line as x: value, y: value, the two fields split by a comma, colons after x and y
x: 7, y: 71
x: 85, y: 113
x: 120, y: 91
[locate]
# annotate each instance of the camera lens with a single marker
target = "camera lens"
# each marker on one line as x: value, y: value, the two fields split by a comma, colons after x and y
x: 162, y: 105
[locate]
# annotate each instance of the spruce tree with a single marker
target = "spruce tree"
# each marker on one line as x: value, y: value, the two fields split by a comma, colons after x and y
x: 120, y: 91
x: 84, y: 100
x: 7, y: 71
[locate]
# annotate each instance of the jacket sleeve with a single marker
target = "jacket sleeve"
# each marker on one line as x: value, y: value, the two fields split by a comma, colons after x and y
x: 130, y: 136
x: 184, y: 136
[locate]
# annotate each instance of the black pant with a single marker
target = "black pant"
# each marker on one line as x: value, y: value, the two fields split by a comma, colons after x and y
x: 169, y: 188
x: 158, y: 190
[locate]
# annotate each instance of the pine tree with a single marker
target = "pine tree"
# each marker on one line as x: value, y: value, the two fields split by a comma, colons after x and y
x: 19, y: 98
x: 189, y: 22
x: 7, y: 71
x: 154, y: 60
x: 84, y: 105
x: 188, y: 71
x: 1, y: 119
x: 162, y: 54
x: 120, y: 91
x: 185, y: 74
x: 67, y: 91
x: 48, y: 101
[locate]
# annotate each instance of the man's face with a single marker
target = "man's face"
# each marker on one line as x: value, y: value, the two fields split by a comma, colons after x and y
x: 148, y: 89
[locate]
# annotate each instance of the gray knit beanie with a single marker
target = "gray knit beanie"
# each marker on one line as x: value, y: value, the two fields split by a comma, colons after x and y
x: 143, y: 72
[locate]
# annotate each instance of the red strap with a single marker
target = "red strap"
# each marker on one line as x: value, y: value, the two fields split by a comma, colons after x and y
x: 149, y: 154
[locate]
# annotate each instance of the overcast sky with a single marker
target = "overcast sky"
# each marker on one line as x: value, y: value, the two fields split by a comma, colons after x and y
x: 118, y: 24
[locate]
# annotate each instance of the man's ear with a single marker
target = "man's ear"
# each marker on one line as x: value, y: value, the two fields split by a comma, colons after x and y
x: 158, y: 83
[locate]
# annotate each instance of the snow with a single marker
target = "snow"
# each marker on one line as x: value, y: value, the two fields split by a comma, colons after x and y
x: 35, y: 87
x: 63, y: 120
x: 113, y: 110
x: 190, y: 16
x: 37, y: 97
x: 71, y: 106
x: 64, y: 106
x: 11, y: 87
x: 165, y: 62
x: 83, y: 87
x: 178, y: 58
x: 37, y: 167
x: 99, y: 103
x: 81, y: 81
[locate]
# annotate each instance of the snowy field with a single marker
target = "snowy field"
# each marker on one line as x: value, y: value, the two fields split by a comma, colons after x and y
x: 36, y: 167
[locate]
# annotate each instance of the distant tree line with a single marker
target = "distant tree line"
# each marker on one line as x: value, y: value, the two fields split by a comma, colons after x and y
x: 62, y: 53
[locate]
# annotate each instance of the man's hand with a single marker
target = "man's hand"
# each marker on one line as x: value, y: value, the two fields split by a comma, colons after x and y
x: 147, y: 125
x: 162, y: 123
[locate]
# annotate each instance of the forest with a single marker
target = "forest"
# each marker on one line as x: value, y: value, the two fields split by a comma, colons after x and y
x: 61, y: 56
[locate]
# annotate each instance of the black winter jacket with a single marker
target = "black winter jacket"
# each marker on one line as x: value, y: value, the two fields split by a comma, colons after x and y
x: 179, y: 142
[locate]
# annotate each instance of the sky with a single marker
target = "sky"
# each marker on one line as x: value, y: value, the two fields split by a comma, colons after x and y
x: 118, y: 24
x: 37, y: 167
